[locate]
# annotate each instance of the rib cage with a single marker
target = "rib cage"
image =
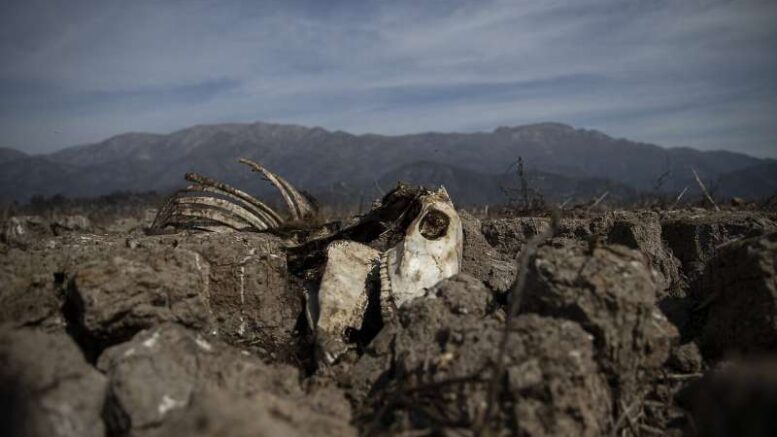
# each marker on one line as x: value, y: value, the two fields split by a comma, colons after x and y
x: 209, y: 204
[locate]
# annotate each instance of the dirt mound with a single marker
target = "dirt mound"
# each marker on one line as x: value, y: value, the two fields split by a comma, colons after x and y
x: 23, y: 230
x: 125, y: 293
x: 610, y: 291
x: 694, y: 237
x: 431, y: 372
x: 35, y: 276
x: 737, y: 398
x: 50, y: 388
x: 169, y: 377
x: 482, y: 261
x: 110, y: 287
x: 740, y: 286
x: 642, y: 231
x: 509, y: 235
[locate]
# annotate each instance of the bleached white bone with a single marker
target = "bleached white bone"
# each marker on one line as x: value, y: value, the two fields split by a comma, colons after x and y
x: 299, y: 206
x: 342, y: 297
x: 429, y: 253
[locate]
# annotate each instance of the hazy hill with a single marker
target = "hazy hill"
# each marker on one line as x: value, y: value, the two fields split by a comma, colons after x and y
x: 7, y: 154
x: 757, y: 181
x: 339, y: 166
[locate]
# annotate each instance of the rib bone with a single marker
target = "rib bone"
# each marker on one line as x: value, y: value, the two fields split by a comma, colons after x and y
x: 213, y: 215
x: 239, y: 196
x: 299, y: 206
x: 224, y: 206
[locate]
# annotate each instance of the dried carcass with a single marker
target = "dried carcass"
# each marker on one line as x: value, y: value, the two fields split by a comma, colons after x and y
x: 409, y: 241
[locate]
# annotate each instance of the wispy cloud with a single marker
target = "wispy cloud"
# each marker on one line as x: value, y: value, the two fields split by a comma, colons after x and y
x: 699, y: 73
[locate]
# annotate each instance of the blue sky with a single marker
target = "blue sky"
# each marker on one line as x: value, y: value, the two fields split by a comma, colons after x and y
x: 699, y: 73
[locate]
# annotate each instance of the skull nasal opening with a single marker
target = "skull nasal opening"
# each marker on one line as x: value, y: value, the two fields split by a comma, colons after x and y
x: 434, y: 225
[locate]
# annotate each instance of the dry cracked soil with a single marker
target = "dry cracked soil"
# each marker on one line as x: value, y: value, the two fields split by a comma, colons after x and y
x: 628, y: 323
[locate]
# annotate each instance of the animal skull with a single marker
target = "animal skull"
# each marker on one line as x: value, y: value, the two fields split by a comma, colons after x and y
x: 430, y: 252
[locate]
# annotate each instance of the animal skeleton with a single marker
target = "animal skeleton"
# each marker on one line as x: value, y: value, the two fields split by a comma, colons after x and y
x: 409, y: 241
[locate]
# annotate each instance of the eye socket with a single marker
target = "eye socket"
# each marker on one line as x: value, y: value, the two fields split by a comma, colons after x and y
x: 434, y: 225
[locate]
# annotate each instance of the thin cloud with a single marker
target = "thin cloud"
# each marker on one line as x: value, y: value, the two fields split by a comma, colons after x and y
x: 676, y: 73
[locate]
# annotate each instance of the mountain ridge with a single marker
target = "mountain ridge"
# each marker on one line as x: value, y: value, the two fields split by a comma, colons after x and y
x: 317, y: 159
x: 8, y: 154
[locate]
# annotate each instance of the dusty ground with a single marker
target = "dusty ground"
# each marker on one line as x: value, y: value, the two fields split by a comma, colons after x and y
x: 630, y: 323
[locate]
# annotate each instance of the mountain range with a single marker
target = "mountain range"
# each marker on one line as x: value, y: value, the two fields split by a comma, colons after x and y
x: 560, y: 161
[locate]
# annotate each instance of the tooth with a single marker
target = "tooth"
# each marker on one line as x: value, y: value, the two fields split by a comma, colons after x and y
x: 388, y: 306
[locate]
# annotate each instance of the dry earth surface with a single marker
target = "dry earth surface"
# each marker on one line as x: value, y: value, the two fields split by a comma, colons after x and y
x: 630, y: 323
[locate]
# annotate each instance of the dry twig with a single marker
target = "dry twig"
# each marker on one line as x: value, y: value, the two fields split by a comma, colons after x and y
x: 599, y: 200
x: 651, y: 430
x: 704, y: 189
x: 682, y: 376
x: 624, y: 416
x: 679, y: 197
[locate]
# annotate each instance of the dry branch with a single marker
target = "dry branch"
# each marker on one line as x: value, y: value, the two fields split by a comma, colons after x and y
x: 704, y: 189
x: 598, y: 200
x: 679, y: 197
